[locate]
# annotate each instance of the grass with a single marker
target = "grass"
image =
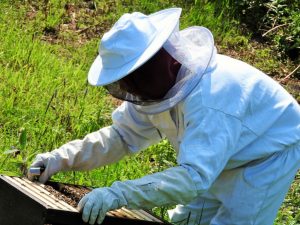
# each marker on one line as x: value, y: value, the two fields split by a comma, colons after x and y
x: 45, y: 53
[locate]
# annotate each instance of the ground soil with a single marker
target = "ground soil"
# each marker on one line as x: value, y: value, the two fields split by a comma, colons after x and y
x: 70, y: 194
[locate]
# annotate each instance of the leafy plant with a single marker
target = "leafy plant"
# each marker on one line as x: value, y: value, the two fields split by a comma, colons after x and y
x: 275, y: 20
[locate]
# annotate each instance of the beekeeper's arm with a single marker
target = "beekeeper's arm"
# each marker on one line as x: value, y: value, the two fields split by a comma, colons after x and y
x: 130, y: 132
x: 209, y: 141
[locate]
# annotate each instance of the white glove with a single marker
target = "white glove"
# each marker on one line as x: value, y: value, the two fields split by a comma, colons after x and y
x: 170, y: 187
x: 49, y: 162
x: 99, y: 201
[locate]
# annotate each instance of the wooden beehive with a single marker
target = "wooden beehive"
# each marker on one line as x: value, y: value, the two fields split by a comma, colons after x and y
x: 29, y: 203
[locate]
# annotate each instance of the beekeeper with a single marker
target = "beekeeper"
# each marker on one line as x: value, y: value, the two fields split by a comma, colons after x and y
x: 235, y: 130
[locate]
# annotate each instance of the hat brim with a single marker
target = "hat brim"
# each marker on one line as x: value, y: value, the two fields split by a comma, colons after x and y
x: 165, y: 22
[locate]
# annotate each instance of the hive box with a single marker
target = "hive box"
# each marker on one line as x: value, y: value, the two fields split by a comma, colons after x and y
x: 28, y: 203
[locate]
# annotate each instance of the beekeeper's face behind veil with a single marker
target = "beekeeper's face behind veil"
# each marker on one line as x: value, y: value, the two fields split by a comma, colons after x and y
x: 152, y: 80
x: 147, y: 61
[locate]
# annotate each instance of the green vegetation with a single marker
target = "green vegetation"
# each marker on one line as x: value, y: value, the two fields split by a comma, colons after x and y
x: 277, y: 22
x: 45, y: 53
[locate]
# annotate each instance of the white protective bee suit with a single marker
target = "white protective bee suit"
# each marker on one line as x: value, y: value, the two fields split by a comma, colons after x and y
x: 237, y: 138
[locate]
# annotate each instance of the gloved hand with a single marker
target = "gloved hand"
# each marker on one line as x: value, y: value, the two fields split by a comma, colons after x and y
x: 170, y: 187
x: 95, y: 204
x: 47, y: 161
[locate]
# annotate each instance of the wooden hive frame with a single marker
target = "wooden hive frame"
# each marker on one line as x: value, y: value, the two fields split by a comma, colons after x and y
x: 28, y: 203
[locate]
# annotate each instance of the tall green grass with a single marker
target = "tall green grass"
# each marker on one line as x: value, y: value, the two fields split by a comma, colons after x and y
x: 42, y: 91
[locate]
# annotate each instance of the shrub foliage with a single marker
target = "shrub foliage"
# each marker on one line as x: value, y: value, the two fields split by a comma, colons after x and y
x: 277, y: 21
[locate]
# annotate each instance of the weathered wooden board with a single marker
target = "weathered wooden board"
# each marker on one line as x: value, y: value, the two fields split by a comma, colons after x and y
x: 28, y: 203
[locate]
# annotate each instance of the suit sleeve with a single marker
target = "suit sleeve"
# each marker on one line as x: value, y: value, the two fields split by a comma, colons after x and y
x: 129, y: 133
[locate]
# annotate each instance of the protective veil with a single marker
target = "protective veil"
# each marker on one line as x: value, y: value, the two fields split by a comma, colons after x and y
x: 194, y: 49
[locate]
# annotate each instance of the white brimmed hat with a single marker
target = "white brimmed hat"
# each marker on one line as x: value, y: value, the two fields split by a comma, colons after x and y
x: 131, y: 42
